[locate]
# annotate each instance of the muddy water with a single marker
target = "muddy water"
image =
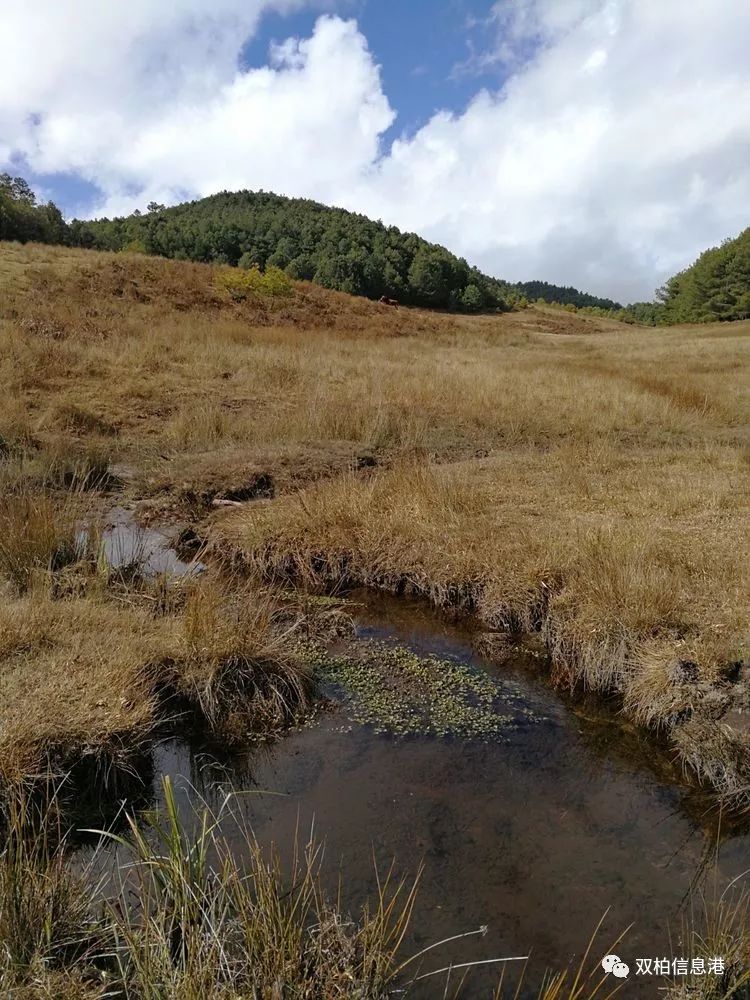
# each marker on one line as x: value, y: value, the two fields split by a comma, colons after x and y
x: 535, y: 836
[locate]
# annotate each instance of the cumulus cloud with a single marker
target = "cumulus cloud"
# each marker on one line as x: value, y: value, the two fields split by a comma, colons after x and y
x: 151, y: 102
x: 608, y: 160
x: 289, y: 127
x: 81, y: 61
x: 614, y: 147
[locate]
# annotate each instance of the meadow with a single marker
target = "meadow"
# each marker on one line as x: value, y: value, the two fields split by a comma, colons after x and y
x: 544, y: 472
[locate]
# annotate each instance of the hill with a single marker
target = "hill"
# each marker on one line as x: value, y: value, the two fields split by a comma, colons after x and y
x: 329, y: 246
x: 564, y: 295
x: 334, y: 248
x: 347, y: 252
x: 715, y: 287
x: 541, y: 469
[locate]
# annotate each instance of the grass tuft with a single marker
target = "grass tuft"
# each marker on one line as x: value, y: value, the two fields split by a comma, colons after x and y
x: 235, y: 662
x: 37, y: 536
x: 185, y: 919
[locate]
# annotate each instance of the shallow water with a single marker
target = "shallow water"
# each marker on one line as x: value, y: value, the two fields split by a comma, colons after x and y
x: 535, y: 836
x: 126, y: 543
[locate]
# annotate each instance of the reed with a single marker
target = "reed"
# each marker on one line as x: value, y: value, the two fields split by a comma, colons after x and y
x: 186, y: 916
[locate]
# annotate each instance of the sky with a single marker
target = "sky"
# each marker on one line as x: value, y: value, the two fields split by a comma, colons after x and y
x: 598, y: 143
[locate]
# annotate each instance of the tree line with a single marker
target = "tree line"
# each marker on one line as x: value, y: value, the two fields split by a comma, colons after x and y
x: 351, y: 253
x: 715, y: 287
x: 563, y: 295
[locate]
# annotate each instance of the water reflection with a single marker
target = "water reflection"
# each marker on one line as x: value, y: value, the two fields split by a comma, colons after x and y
x: 536, y: 836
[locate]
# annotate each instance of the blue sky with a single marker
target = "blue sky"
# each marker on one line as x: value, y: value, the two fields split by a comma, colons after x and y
x: 599, y: 143
x: 423, y: 48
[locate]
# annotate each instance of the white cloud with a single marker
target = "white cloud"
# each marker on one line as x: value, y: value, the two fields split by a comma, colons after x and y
x: 523, y: 24
x: 292, y: 128
x: 616, y: 149
x: 608, y: 161
x: 80, y: 57
x: 152, y: 102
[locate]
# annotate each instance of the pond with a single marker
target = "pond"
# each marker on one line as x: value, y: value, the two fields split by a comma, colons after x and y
x: 534, y: 834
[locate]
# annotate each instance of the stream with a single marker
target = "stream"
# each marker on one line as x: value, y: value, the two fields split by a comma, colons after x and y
x: 534, y: 835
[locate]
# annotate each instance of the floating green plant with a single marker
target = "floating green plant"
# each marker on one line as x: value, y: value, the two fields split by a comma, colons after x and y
x: 400, y: 693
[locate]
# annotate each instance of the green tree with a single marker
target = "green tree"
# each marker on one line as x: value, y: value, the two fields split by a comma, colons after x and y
x: 427, y: 279
x: 472, y: 299
x: 302, y: 268
x: 23, y: 219
x: 715, y: 287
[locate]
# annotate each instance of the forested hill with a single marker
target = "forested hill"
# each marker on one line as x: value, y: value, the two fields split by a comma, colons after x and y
x: 351, y: 253
x: 330, y: 246
x: 565, y: 296
x: 715, y: 287
x: 333, y: 247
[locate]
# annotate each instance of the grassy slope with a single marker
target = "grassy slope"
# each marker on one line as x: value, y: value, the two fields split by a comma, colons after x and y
x: 548, y: 470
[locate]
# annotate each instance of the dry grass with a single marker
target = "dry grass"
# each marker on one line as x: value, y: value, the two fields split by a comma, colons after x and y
x: 635, y: 576
x: 234, y: 661
x: 47, y: 910
x: 37, y: 536
x: 717, y: 925
x: 175, y: 370
x: 94, y: 674
x: 182, y: 919
x: 591, y: 486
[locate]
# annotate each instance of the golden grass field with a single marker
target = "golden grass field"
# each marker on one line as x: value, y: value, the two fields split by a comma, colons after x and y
x: 545, y: 471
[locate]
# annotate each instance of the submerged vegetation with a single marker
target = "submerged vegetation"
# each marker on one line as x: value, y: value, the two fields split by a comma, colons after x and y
x: 400, y: 693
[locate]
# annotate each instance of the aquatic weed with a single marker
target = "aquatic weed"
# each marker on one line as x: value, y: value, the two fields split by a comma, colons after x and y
x: 398, y: 692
